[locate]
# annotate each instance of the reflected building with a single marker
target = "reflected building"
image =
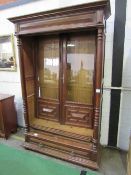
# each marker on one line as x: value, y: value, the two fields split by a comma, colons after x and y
x: 80, y: 84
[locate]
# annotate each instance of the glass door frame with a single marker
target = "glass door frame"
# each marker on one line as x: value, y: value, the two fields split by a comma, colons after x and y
x: 63, y: 38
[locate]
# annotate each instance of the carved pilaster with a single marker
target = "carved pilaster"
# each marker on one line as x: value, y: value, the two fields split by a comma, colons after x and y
x: 100, y: 17
x: 96, y: 125
x: 25, y: 114
x: 21, y: 60
x: 98, y: 80
x: 19, y: 43
x: 17, y: 29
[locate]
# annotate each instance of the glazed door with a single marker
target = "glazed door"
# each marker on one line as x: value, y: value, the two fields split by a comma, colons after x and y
x: 48, y: 78
x: 66, y: 79
x: 79, y: 80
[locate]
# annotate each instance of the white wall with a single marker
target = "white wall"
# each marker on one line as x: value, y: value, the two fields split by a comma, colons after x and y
x: 125, y: 106
x: 10, y: 81
x: 107, y: 75
x: 40, y: 5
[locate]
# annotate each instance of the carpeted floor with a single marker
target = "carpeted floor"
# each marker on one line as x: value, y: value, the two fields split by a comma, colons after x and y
x: 19, y: 162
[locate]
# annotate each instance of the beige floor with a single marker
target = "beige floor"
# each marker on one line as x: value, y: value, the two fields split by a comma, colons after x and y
x: 113, y: 162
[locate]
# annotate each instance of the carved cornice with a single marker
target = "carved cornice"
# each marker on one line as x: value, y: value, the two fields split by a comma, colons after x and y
x: 100, y: 34
x: 69, y: 18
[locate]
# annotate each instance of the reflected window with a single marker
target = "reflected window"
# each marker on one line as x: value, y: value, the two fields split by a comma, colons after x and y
x: 80, y: 68
x: 48, y: 68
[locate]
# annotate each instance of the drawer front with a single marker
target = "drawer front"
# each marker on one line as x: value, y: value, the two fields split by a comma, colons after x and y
x: 48, y: 110
x: 79, y: 115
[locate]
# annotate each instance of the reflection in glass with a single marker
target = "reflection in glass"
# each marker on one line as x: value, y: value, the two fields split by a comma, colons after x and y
x: 80, y: 68
x: 48, y: 71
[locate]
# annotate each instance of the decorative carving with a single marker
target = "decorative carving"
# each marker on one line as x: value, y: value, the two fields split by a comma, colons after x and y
x: 25, y: 113
x: 19, y: 43
x: 96, y: 124
x: 60, y: 139
x: 80, y: 116
x: 17, y: 28
x: 62, y: 155
x: 98, y: 80
x: 100, y: 34
x: 96, y: 118
x: 45, y: 25
x: 100, y: 17
x: 49, y: 110
x: 61, y: 132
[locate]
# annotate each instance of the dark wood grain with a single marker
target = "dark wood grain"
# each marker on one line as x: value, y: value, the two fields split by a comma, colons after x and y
x: 8, y: 118
x: 66, y: 127
x: 69, y: 18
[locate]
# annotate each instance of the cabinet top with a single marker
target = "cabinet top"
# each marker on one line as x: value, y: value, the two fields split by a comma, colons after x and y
x: 5, y: 96
x: 81, y: 16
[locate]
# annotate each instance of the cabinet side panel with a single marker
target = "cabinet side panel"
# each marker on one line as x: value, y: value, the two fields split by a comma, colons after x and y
x: 29, y: 75
x: 9, y: 116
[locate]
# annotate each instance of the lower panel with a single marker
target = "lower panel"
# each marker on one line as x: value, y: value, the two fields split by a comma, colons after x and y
x: 78, y: 115
x: 62, y: 155
x: 48, y: 109
x: 76, y: 150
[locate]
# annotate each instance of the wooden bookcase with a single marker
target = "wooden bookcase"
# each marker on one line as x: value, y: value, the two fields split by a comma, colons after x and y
x: 61, y: 59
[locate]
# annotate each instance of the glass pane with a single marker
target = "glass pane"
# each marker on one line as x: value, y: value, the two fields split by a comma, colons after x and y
x: 7, y: 59
x: 48, y: 72
x: 80, y: 68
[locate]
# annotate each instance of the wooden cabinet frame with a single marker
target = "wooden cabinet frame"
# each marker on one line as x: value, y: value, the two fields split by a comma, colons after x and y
x: 67, y: 144
x: 65, y: 106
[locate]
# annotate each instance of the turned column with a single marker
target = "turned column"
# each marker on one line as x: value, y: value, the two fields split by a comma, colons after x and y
x: 98, y: 86
x: 24, y: 95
